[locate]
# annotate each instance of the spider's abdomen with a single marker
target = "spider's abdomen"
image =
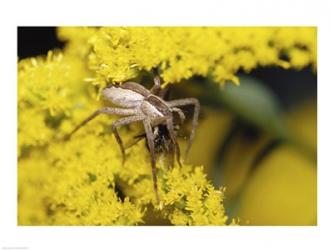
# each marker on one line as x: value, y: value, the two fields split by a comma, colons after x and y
x: 122, y: 97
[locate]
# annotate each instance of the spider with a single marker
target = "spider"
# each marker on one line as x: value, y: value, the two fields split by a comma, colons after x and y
x: 139, y: 104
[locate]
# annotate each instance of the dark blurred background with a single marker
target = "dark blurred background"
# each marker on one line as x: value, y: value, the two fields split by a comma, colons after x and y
x: 34, y: 41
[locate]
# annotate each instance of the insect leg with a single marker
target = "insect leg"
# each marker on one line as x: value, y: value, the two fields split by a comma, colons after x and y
x: 105, y: 110
x: 196, y: 104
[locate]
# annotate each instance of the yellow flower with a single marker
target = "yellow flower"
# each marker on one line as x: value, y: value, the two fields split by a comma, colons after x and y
x: 118, y: 53
x: 49, y: 83
x: 287, y: 181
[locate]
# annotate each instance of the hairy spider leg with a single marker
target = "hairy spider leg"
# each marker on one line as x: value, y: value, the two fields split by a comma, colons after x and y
x: 125, y: 121
x: 173, y: 138
x: 139, y: 137
x: 196, y: 104
x: 147, y: 123
x: 171, y: 150
x: 157, y: 81
x: 157, y: 86
x: 105, y: 110
x: 150, y: 139
x: 156, y: 89
x: 180, y: 114
x: 138, y: 88
x: 121, y: 122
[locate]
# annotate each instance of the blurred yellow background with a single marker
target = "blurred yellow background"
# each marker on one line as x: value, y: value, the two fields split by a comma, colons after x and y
x: 282, y: 188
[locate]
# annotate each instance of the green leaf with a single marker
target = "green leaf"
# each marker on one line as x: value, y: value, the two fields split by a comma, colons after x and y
x: 252, y: 102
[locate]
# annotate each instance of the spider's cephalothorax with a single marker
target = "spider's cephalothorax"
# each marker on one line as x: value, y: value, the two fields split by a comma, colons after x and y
x: 139, y: 104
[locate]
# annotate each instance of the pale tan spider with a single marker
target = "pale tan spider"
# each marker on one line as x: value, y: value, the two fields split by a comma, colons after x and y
x: 139, y: 104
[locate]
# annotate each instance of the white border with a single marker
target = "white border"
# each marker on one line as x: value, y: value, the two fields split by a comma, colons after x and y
x: 143, y: 12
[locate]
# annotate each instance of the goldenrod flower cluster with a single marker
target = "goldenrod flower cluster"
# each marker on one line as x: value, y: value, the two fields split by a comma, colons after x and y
x: 118, y: 54
x: 82, y: 181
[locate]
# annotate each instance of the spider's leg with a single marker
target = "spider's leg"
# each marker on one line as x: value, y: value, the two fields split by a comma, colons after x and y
x: 121, y: 122
x: 180, y: 114
x: 157, y: 86
x: 173, y: 138
x: 136, y: 87
x: 150, y: 140
x: 169, y: 148
x: 105, y: 110
x: 172, y: 156
x: 196, y: 104
x: 157, y: 89
x: 157, y: 81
